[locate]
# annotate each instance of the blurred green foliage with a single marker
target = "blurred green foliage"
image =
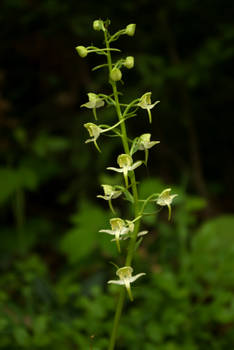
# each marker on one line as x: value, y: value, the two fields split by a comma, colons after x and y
x: 54, y: 263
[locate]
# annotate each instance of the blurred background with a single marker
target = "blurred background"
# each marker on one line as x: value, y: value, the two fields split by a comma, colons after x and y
x: 53, y: 262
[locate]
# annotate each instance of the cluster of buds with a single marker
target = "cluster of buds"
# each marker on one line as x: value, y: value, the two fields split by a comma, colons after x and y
x: 122, y: 229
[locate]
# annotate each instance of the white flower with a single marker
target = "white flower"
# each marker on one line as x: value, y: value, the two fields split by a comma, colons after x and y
x: 109, y: 194
x: 165, y: 199
x: 94, y: 102
x: 118, y: 228
x: 126, y: 278
x: 145, y: 103
x: 126, y: 164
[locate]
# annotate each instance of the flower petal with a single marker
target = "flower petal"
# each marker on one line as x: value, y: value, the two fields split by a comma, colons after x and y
x: 135, y: 165
x: 134, y: 278
x: 108, y: 231
x: 116, y: 282
x: 115, y: 169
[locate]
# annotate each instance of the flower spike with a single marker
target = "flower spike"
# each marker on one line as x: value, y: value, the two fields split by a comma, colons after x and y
x: 126, y: 278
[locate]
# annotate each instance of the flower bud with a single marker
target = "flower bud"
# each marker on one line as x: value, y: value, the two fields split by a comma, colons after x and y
x: 98, y: 24
x: 115, y: 74
x: 130, y: 29
x: 129, y: 62
x: 82, y: 51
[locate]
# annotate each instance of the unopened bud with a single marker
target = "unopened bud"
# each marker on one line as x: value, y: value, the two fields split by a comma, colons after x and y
x: 130, y: 29
x: 129, y: 62
x: 98, y: 24
x: 82, y: 51
x: 115, y: 74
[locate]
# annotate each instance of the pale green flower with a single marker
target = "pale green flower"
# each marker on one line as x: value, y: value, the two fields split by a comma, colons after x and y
x: 110, y: 193
x: 165, y: 199
x: 126, y: 164
x: 94, y: 131
x: 144, y: 144
x: 119, y: 227
x: 130, y: 29
x: 126, y: 278
x: 145, y: 103
x: 94, y: 102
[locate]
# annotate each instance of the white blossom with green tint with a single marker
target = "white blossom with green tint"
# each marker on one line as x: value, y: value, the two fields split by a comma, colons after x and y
x: 95, y: 131
x: 144, y: 144
x: 94, y: 102
x: 145, y: 103
x: 110, y: 193
x: 126, y: 278
x: 119, y: 227
x: 126, y: 164
x: 165, y: 199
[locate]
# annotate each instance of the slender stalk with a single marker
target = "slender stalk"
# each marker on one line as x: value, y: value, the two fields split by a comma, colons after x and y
x: 118, y: 312
x: 19, y: 216
x: 131, y: 247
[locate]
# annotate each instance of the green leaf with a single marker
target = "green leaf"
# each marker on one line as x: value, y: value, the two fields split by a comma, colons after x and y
x: 9, y: 182
x: 81, y: 240
x: 213, y: 251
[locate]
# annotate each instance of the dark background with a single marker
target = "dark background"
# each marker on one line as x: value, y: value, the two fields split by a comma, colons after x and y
x: 50, y: 254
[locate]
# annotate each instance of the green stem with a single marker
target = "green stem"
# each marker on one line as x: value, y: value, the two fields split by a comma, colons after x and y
x: 131, y: 247
x: 119, y: 308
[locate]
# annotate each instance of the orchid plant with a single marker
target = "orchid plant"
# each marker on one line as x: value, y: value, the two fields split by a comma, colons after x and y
x: 122, y: 229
